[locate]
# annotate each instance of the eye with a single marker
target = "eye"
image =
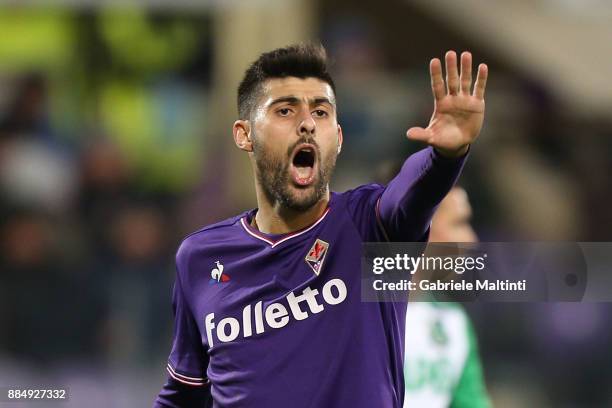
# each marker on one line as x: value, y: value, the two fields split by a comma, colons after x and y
x: 320, y: 113
x: 284, y: 111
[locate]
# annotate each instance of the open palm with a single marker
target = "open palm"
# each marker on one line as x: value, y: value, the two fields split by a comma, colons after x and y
x: 458, y: 111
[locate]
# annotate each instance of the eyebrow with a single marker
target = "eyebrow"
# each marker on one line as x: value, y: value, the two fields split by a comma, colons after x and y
x: 293, y: 100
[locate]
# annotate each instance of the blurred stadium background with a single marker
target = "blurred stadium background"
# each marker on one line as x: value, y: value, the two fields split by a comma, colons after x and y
x: 115, y: 141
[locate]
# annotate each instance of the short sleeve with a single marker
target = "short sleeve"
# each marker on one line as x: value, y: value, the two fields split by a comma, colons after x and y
x: 187, y: 385
x: 188, y: 361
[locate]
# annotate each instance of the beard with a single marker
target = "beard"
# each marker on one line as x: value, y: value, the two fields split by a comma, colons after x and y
x: 273, y: 176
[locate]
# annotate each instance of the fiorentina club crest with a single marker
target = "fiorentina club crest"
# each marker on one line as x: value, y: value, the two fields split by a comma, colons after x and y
x: 316, y: 255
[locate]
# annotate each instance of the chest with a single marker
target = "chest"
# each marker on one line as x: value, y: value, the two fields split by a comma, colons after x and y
x: 257, y: 289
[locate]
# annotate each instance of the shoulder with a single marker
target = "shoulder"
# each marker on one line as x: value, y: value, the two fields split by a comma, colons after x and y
x: 361, y: 195
x: 363, y: 191
x: 199, y: 240
x: 451, y: 309
x: 361, y: 206
x: 448, y: 306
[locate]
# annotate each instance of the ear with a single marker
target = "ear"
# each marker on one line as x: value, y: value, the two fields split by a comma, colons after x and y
x: 242, y: 138
x: 340, y: 139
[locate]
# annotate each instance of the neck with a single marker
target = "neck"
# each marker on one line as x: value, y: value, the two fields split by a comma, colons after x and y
x: 272, y: 218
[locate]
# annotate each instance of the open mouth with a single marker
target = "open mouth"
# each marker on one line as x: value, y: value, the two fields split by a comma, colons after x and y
x: 304, y: 158
x: 303, y: 165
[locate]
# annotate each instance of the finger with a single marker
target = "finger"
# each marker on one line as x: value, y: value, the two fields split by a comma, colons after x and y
x: 481, y: 81
x: 452, y: 76
x: 437, y: 83
x: 419, y: 134
x: 466, y: 72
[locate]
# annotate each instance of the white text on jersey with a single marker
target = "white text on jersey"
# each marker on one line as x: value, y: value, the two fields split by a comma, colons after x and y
x: 276, y: 314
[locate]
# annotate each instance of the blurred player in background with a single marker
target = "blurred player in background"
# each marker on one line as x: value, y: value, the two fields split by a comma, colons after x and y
x: 267, y: 304
x: 441, y: 365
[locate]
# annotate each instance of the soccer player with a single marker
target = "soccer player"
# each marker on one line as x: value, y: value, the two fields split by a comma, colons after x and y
x: 441, y: 364
x: 267, y: 304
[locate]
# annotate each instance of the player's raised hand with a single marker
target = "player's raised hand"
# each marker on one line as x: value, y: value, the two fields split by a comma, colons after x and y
x: 458, y: 111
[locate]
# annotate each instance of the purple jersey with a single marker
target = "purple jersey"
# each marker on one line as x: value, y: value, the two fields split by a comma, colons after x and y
x: 277, y: 321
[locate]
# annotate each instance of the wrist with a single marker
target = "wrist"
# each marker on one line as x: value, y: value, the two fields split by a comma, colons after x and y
x: 453, y: 154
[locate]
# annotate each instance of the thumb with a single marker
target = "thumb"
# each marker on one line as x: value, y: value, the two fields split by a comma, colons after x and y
x: 419, y: 134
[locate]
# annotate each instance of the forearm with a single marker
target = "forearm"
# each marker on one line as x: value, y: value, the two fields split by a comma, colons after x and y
x: 411, y: 198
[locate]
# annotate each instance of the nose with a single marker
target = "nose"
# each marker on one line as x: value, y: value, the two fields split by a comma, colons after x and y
x: 307, y: 126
